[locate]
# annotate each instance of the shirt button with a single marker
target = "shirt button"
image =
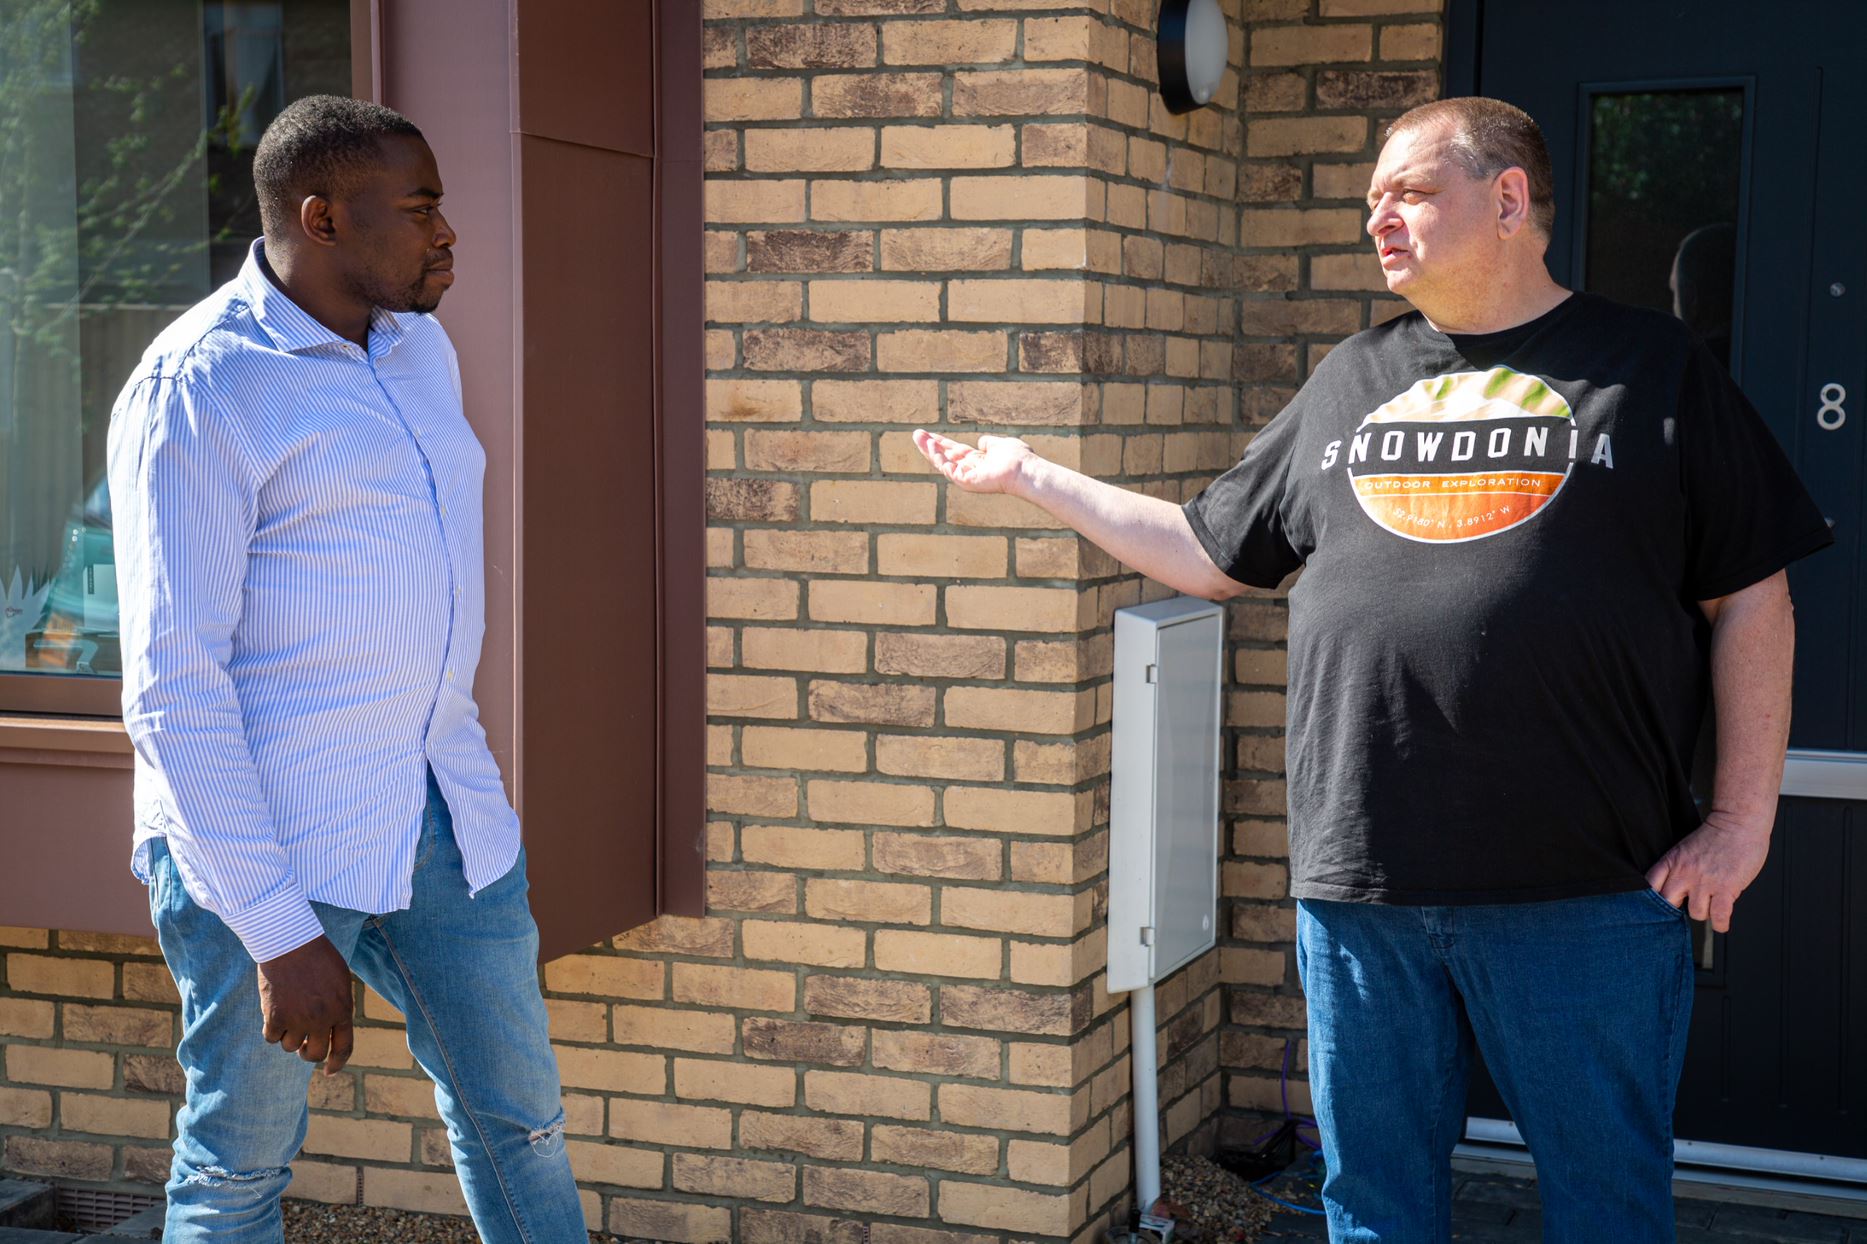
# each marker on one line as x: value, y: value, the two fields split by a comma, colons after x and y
x: 450, y: 675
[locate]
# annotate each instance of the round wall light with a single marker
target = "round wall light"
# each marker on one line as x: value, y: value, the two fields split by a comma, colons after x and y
x: 1192, y: 47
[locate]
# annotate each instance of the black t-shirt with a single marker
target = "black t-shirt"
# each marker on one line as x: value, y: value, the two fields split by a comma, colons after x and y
x: 1498, y: 666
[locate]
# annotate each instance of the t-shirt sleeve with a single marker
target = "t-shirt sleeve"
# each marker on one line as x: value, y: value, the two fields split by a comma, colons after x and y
x: 1239, y: 517
x: 1748, y: 514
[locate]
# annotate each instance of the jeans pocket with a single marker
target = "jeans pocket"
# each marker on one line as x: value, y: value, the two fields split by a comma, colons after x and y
x: 1655, y: 896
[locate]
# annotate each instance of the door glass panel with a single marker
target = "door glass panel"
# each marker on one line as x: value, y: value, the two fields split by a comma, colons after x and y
x: 1662, y: 204
x: 127, y: 130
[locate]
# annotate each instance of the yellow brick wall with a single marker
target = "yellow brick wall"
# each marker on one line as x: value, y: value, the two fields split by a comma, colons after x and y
x: 973, y: 215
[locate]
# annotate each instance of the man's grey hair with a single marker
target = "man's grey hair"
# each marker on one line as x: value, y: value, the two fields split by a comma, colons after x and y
x: 1488, y: 136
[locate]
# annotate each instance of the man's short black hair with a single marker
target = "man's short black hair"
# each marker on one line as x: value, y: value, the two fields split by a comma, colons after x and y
x: 318, y: 145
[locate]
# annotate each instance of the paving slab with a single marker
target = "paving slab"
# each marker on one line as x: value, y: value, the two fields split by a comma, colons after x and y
x: 24, y: 1203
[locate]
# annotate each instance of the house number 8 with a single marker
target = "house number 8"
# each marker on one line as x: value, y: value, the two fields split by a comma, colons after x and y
x: 1831, y: 415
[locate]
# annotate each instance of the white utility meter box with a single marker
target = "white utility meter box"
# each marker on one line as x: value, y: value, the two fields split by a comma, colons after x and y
x: 1164, y: 792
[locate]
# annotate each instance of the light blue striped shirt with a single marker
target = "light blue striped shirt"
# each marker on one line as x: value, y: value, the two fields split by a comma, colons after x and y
x: 298, y: 533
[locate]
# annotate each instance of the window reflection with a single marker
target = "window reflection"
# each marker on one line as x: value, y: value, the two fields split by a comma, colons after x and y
x: 1662, y: 203
x: 127, y: 130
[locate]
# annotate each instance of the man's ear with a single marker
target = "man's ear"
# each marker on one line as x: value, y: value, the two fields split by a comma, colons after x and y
x: 1510, y: 195
x: 315, y: 220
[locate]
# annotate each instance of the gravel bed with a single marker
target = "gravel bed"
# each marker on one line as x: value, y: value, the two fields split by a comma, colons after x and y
x: 1210, y: 1205
x: 308, y: 1222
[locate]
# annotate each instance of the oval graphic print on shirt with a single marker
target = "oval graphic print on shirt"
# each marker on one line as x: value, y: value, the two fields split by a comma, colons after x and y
x: 1463, y: 456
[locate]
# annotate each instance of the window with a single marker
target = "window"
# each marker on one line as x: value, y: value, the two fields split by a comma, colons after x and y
x: 127, y: 130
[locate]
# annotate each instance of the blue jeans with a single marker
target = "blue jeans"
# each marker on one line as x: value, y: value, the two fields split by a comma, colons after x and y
x: 465, y: 973
x: 1580, y: 1007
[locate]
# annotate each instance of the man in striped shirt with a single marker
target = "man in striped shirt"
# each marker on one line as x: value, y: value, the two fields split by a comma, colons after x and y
x: 297, y: 500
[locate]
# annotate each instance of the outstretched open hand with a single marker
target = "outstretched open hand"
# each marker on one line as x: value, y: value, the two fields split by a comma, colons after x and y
x: 995, y: 466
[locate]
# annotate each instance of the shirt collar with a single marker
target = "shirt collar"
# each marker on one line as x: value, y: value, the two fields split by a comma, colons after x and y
x: 292, y: 328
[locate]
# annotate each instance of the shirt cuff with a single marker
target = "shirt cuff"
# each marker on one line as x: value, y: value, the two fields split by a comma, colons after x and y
x: 277, y: 925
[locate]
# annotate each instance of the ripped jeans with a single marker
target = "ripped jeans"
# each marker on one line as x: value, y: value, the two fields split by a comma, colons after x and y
x: 463, y: 971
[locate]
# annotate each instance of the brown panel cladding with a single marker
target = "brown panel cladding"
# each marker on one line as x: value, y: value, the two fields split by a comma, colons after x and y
x: 681, y: 447
x: 585, y: 73
x: 587, y: 615
x: 68, y: 858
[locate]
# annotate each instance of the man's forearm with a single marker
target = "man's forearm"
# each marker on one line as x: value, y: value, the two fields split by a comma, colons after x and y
x: 1142, y: 532
x: 1753, y: 643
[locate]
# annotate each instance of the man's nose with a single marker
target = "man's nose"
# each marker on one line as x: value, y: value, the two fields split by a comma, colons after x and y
x: 443, y: 232
x: 1382, y: 218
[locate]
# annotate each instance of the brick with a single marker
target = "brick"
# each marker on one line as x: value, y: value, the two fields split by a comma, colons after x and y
x: 813, y: 45
x: 755, y: 401
x: 45, y: 1064
x: 26, y: 1017
x: 1025, y: 712
x: 734, y: 1178
x: 371, y: 1139
x: 968, y: 557
x: 114, y: 1116
x: 735, y: 695
x: 917, y: 199
x: 816, y: 650
x: 1385, y: 91
x: 698, y: 1032
x: 1027, y: 196
x: 952, y: 249
x: 938, y: 954
x: 751, y: 501
x: 771, y: 747
x: 152, y: 1073
x: 664, y: 1123
x: 605, y: 975
x: 940, y: 1054
x: 60, y: 1159
x: 968, y: 41
x: 868, y: 1192
x: 1060, y: 863
x: 786, y: 847
x: 68, y: 978
x: 794, y: 1041
x: 998, y: 810
x: 713, y: 1080
x: 937, y: 350
x: 118, y: 1025
x: 1317, y: 226
x: 927, y: 855
x: 1311, y: 45
x: 848, y: 1092
x: 939, y: 656
x: 823, y: 452
x: 751, y: 891
x: 870, y: 803
x: 753, y: 202
x: 678, y: 1222
x: 750, y: 989
x: 868, y: 902
x: 894, y: 1233
x: 877, y: 8
x: 1018, y: 608
x: 771, y: 1226
x: 875, y: 95
x: 1018, y: 1110
x: 615, y: 1071
x: 32, y: 939
x: 875, y: 401
x: 873, y: 501
x: 964, y: 759
x: 1021, y: 92
x: 835, y: 1139
x: 786, y: 941
x: 1359, y: 271
x: 719, y: 10
x: 738, y: 302
x: 1283, y: 136
x: 751, y: 598
x: 1001, y: 300
x: 887, y: 704
x: 1411, y: 43
x: 1277, y: 318
x: 805, y: 349
x: 815, y: 150
x: 616, y: 1165
x: 808, y: 250
x: 1011, y: 1010
x: 407, y: 1096
x: 1008, y: 911
x: 850, y: 997
x: 948, y: 146
x: 871, y: 301
x: 1044, y: 403
x: 872, y: 603
x: 942, y: 1150
x: 25, y: 1108
x: 833, y: 552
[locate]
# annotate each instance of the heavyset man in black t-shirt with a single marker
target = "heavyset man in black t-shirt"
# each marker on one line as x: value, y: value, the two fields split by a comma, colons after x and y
x: 1538, y: 530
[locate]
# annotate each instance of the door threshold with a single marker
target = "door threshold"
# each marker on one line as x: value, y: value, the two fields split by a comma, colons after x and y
x: 1753, y: 1186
